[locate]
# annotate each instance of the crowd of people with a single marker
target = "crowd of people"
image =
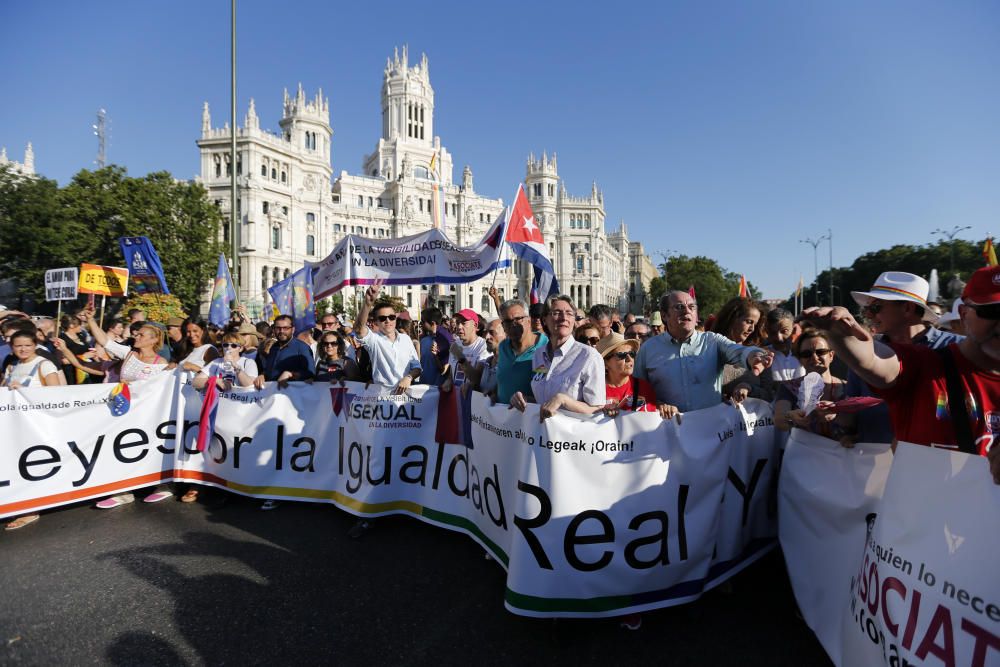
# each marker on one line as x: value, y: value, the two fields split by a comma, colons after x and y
x: 939, y: 387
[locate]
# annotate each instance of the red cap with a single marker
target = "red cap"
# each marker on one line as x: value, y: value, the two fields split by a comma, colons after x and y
x: 469, y: 315
x: 402, y: 315
x: 983, y: 287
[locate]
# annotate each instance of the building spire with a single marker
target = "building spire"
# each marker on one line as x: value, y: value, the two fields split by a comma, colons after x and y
x: 251, y: 121
x: 29, y: 158
x: 206, y: 119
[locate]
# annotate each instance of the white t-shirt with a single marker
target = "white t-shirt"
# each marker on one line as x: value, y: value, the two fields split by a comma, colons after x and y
x: 214, y: 367
x: 475, y: 353
x: 197, y: 356
x: 785, y: 367
x: 29, y: 373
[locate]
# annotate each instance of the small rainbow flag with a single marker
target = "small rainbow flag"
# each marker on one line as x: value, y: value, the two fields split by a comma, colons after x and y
x: 744, y: 289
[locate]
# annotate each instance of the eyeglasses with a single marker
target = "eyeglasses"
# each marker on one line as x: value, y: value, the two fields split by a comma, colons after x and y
x: 990, y: 311
x: 634, y: 335
x: 684, y: 307
x: 819, y: 352
x: 562, y: 314
x: 622, y: 356
x: 328, y: 324
x: 277, y: 328
x: 514, y: 320
x: 231, y: 345
x: 386, y: 318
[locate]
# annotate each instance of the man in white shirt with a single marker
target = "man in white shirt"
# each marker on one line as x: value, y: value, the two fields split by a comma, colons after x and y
x: 394, y: 358
x: 468, y: 352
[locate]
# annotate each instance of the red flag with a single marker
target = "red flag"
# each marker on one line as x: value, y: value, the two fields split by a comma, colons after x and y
x: 522, y: 227
x: 691, y: 292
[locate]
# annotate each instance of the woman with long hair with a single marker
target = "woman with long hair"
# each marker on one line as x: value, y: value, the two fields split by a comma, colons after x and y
x: 816, y: 354
x: 333, y: 364
x: 196, y: 350
x: 741, y: 321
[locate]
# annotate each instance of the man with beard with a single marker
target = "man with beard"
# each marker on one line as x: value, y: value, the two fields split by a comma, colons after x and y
x: 514, y: 354
x: 946, y: 397
x: 685, y: 365
x: 285, y: 358
x: 896, y: 311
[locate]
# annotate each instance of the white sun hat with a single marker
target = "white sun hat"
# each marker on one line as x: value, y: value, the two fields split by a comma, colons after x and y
x: 898, y: 286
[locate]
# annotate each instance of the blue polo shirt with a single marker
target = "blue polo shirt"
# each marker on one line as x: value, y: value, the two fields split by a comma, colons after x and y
x: 514, y: 372
x: 295, y: 357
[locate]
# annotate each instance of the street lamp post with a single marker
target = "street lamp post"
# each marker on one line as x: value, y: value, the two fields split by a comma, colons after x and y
x: 951, y: 242
x: 815, y: 244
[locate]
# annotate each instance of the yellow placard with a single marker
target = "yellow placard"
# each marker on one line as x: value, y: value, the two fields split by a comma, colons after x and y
x: 106, y: 280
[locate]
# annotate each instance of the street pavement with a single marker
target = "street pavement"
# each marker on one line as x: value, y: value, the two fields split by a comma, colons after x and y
x: 175, y: 584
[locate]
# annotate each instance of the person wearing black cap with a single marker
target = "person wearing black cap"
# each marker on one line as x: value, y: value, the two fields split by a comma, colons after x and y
x: 948, y: 397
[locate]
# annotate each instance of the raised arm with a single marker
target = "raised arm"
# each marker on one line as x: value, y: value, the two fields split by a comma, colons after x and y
x: 371, y: 296
x: 874, y: 362
x: 95, y: 330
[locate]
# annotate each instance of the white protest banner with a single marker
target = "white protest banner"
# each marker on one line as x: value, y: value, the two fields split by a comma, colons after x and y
x: 64, y: 444
x: 748, y: 522
x: 927, y: 591
x: 824, y: 495
x: 61, y: 284
x: 425, y: 258
x: 591, y: 517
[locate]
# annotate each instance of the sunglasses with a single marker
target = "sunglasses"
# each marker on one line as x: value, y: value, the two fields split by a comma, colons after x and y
x: 632, y: 335
x: 512, y: 320
x: 988, y: 312
x: 386, y: 318
x: 622, y: 356
x: 231, y: 345
x: 873, y: 308
x: 819, y: 352
x: 330, y: 343
x: 591, y: 340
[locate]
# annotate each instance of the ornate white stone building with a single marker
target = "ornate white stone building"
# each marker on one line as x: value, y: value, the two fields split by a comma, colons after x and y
x: 27, y: 168
x: 290, y: 212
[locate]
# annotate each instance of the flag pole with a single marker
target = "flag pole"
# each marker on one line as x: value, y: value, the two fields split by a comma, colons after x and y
x: 101, y: 321
x: 58, y: 316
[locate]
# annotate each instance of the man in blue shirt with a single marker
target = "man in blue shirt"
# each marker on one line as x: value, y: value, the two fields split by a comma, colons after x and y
x: 684, y: 365
x: 286, y: 359
x: 514, y: 354
x: 433, y: 362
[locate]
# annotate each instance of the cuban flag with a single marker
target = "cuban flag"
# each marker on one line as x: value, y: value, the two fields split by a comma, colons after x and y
x: 524, y: 238
x: 209, y: 409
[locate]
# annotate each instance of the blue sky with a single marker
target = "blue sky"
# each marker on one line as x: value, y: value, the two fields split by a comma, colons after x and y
x: 726, y: 129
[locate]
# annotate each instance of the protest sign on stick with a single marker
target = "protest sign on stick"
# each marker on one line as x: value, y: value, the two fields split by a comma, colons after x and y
x: 60, y: 285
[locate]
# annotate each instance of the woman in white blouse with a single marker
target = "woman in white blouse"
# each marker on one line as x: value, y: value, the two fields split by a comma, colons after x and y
x: 196, y: 351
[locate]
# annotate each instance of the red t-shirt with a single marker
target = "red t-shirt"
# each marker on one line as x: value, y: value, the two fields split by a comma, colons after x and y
x: 623, y: 396
x: 918, y: 401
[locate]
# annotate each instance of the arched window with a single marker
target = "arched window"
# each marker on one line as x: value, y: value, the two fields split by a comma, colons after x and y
x: 274, y: 174
x: 310, y: 217
x: 284, y: 177
x: 263, y: 170
x: 421, y: 172
x: 587, y: 221
x: 310, y: 244
x: 275, y: 275
x: 218, y: 166
x: 288, y: 272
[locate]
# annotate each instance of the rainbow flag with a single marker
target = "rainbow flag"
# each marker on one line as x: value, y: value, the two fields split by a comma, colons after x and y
x: 222, y: 294
x: 989, y: 252
x: 744, y: 290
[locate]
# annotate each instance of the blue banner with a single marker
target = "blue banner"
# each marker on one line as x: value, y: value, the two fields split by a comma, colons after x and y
x: 145, y: 270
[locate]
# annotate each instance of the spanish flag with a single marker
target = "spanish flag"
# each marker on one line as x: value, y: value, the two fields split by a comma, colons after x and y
x: 744, y: 290
x: 989, y: 252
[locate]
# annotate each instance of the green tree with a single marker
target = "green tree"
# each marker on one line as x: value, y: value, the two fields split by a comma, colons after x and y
x: 712, y: 284
x: 657, y: 288
x: 177, y: 217
x: 36, y: 234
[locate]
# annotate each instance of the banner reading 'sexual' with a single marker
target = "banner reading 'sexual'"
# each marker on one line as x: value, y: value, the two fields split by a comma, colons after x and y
x: 590, y: 517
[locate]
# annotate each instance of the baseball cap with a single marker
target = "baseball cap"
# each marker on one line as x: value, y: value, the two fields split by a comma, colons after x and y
x: 983, y: 287
x: 468, y: 314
